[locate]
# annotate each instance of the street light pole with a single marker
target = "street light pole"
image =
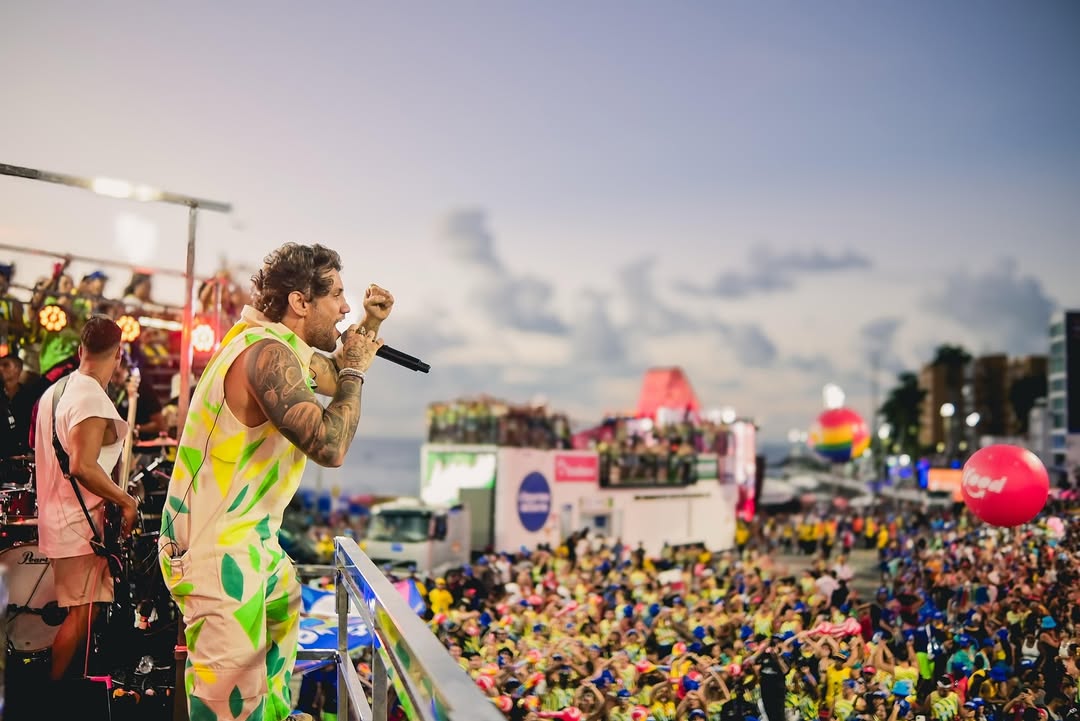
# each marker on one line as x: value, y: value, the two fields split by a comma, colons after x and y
x: 972, y: 421
x: 948, y: 410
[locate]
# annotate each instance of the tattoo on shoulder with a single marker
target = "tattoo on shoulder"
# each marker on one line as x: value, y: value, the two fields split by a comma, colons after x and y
x: 275, y: 374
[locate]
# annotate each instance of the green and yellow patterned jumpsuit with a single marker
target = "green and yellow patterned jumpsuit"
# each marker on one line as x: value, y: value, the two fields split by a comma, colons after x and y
x: 220, y: 556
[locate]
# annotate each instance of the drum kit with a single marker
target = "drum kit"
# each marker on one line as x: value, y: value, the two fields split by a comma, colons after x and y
x: 135, y: 643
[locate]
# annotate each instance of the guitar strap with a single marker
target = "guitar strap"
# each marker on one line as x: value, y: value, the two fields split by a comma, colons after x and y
x: 96, y: 542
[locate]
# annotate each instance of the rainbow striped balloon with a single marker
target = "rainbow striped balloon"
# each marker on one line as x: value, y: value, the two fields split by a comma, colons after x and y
x: 839, y: 435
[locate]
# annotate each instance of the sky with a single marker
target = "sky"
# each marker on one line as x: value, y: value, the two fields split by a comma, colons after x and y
x: 561, y: 195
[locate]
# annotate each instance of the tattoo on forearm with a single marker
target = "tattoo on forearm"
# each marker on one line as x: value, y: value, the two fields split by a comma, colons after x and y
x: 325, y: 370
x: 281, y: 387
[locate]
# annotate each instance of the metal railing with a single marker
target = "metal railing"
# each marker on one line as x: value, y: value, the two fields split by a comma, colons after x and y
x: 429, y: 683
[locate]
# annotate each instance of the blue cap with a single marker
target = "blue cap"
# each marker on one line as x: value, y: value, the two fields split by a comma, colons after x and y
x: 699, y: 632
x: 96, y: 275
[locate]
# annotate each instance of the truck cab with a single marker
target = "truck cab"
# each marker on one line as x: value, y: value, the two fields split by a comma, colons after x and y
x: 409, y: 534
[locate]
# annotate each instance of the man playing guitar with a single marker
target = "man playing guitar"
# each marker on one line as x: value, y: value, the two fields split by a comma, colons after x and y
x: 89, y: 435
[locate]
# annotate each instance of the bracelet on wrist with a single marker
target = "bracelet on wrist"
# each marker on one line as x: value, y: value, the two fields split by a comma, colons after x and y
x: 351, y: 372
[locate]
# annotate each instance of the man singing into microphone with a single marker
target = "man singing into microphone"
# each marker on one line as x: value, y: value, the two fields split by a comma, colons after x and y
x: 252, y: 424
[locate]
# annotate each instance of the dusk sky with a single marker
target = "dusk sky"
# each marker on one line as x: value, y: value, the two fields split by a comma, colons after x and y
x: 561, y: 195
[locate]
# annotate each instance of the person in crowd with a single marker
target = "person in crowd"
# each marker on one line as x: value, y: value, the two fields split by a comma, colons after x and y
x: 138, y: 290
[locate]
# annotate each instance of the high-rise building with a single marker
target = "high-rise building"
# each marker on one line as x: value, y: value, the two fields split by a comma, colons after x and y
x: 1064, y: 391
x: 989, y: 379
x: 932, y: 380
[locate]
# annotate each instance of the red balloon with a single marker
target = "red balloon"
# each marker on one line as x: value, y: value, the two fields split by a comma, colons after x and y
x: 1005, y: 485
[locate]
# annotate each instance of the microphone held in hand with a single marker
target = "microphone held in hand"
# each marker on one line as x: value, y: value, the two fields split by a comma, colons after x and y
x: 402, y: 359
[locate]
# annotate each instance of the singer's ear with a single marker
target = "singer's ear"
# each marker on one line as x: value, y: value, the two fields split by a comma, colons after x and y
x: 298, y: 303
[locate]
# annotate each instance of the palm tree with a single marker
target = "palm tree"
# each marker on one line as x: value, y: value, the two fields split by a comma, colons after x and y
x: 955, y: 360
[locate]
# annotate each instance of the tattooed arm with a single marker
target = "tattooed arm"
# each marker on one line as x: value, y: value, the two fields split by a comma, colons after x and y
x: 279, y: 386
x: 324, y: 370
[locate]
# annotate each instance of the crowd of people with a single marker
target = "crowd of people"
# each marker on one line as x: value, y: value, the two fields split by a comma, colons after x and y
x: 632, y: 451
x: 637, y: 451
x: 489, y: 420
x: 969, y: 622
x: 35, y: 354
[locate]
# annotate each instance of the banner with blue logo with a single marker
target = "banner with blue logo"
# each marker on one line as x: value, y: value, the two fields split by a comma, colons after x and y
x: 319, y: 633
x: 318, y: 622
x: 534, y: 501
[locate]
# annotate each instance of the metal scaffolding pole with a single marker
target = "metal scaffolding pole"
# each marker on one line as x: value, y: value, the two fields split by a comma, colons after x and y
x: 114, y: 188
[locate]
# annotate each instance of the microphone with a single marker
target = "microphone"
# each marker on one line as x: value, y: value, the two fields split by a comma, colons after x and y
x: 402, y: 359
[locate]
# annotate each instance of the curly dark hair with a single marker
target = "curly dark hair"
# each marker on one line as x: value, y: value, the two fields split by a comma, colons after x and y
x: 292, y: 267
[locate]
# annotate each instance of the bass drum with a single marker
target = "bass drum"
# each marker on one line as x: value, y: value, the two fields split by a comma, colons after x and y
x: 33, y: 617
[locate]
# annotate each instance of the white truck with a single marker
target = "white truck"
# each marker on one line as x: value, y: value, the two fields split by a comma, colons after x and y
x: 408, y: 533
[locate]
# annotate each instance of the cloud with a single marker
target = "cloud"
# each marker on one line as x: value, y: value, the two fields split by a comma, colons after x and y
x: 817, y: 365
x: 816, y: 261
x: 648, y: 313
x: 595, y: 337
x: 876, y: 341
x: 772, y: 272
x: 1008, y: 311
x: 750, y: 344
x: 424, y: 335
x: 469, y: 239
x: 730, y: 284
x: 516, y: 302
x: 522, y: 303
x: 880, y: 333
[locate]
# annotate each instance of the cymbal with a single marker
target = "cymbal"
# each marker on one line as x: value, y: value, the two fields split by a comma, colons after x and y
x: 164, y: 442
x: 22, y: 522
x: 22, y: 459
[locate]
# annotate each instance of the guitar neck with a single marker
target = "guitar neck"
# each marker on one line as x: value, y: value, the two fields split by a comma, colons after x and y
x: 129, y: 445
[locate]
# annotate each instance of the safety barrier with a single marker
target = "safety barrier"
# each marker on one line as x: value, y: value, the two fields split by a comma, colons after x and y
x: 429, y: 683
